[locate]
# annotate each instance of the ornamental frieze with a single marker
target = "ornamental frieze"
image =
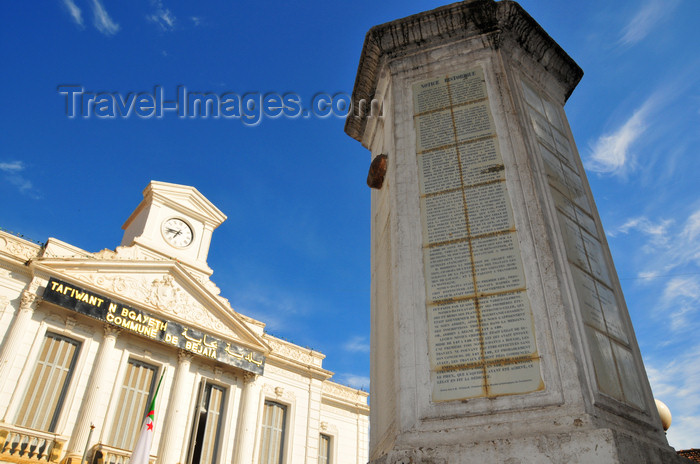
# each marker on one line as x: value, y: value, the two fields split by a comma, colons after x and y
x: 19, y: 248
x: 343, y: 392
x: 293, y: 352
x: 162, y: 293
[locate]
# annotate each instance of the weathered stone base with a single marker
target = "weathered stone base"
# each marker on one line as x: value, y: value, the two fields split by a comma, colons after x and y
x: 601, y: 446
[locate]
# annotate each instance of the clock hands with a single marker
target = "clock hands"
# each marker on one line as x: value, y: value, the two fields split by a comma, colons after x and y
x: 177, y: 232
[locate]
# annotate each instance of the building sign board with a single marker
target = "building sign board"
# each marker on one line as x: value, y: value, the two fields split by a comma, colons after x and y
x: 147, y: 325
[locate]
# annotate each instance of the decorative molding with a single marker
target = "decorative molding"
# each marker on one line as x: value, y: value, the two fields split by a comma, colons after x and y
x: 184, y: 357
x: 347, y: 394
x: 19, y: 248
x: 162, y: 293
x: 294, y: 352
x: 249, y: 377
x: 28, y: 301
x: 70, y: 323
x: 285, y: 396
x: 105, y: 253
x: 111, y: 331
x: 329, y: 429
x: 135, y: 253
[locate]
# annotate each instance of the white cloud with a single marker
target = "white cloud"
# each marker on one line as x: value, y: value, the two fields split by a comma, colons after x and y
x: 687, y: 249
x: 681, y: 298
x: 643, y: 224
x: 13, y: 175
x: 13, y: 166
x: 357, y: 344
x: 648, y: 16
x: 162, y: 16
x: 74, y: 11
x: 611, y: 153
x: 672, y: 250
x: 682, y: 287
x: 648, y: 275
x: 692, y: 227
x: 684, y: 431
x: 355, y: 381
x: 677, y: 384
x: 658, y: 233
x: 197, y: 20
x: 102, y: 21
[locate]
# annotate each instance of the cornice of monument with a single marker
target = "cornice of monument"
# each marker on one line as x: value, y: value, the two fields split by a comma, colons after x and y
x: 462, y: 20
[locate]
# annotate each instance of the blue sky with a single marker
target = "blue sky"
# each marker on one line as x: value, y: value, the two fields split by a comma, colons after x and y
x: 294, y: 251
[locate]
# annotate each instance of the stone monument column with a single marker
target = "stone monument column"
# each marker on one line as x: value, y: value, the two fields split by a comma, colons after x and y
x: 248, y: 420
x: 97, y: 390
x: 171, y: 443
x: 499, y: 329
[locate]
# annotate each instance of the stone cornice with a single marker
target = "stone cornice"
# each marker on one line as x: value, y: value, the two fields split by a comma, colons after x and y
x: 296, y: 357
x: 458, y: 21
x: 346, y: 396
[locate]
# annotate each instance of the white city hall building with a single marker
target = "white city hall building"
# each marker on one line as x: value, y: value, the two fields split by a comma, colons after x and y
x: 85, y: 338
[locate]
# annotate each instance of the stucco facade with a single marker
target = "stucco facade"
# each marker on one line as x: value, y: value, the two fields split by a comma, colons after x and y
x: 86, y: 336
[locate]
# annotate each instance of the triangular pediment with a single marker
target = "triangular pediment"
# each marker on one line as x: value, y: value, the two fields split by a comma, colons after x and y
x: 164, y: 288
x: 183, y: 198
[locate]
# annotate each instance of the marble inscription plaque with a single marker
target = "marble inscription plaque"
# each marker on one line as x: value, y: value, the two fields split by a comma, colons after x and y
x: 604, y: 363
x: 480, y: 161
x: 481, y: 331
x: 448, y: 271
x: 439, y: 171
x: 455, y: 330
x: 607, y: 335
x: 588, y: 299
x: 628, y: 375
x: 439, y: 224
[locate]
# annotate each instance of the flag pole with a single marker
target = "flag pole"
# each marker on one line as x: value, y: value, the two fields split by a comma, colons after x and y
x: 87, y: 443
x: 142, y: 450
x: 158, y: 387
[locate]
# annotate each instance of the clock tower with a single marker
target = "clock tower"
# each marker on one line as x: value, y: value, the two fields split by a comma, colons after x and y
x: 174, y: 221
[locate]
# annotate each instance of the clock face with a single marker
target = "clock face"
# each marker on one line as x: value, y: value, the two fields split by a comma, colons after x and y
x: 177, y: 232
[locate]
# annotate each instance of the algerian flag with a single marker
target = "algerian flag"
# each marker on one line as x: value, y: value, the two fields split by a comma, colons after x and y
x: 142, y: 450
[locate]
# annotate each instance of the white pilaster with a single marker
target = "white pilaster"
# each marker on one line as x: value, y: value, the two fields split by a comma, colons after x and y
x: 313, y: 419
x: 97, y: 389
x: 16, y: 334
x: 248, y: 421
x: 171, y: 442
